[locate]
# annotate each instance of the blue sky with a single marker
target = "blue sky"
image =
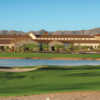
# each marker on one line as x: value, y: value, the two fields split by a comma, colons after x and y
x: 51, y: 15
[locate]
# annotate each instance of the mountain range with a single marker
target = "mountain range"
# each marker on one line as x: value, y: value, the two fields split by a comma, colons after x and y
x: 90, y: 32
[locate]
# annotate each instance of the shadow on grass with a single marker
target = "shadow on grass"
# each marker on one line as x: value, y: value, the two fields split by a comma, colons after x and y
x: 85, y: 74
x: 10, y: 76
x: 85, y: 67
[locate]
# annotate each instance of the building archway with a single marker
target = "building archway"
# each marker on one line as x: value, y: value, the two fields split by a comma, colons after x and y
x: 52, y: 48
x: 53, y: 45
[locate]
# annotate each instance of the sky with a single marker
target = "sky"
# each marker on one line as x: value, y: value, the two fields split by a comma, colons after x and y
x: 51, y: 15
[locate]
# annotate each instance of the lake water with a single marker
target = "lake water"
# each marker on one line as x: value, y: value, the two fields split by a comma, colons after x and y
x: 32, y: 62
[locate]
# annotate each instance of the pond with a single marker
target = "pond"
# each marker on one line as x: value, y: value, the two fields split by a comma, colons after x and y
x: 34, y: 62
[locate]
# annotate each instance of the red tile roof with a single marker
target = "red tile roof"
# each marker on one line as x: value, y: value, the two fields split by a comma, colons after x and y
x: 65, y: 36
x: 97, y: 35
x: 70, y: 41
x: 14, y: 36
x: 6, y: 41
x: 83, y: 41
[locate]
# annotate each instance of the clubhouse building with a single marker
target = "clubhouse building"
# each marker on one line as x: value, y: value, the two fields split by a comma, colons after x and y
x: 12, y: 41
x: 67, y: 39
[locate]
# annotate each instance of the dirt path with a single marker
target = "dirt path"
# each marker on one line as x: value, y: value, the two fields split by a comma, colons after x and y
x: 59, y: 96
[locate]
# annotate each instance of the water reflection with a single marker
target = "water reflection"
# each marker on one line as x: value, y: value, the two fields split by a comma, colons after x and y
x: 32, y: 62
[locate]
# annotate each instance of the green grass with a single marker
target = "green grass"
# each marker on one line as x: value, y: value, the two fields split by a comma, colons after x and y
x: 51, y: 79
x: 49, y: 55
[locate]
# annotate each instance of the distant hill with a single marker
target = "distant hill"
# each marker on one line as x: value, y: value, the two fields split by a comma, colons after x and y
x: 90, y: 31
x: 11, y: 32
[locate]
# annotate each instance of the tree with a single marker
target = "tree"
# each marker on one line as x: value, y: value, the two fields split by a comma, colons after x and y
x: 30, y: 47
x: 59, y: 47
x: 45, y: 47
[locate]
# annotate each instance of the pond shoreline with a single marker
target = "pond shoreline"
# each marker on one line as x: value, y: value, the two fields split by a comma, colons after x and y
x: 52, y: 58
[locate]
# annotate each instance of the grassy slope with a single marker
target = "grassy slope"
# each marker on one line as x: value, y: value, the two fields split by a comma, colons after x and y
x: 52, y: 79
x: 48, y: 55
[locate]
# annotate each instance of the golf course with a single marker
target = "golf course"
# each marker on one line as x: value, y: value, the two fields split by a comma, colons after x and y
x: 50, y: 79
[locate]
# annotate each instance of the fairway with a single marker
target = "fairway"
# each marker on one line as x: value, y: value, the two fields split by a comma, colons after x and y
x: 51, y: 79
x: 49, y: 55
